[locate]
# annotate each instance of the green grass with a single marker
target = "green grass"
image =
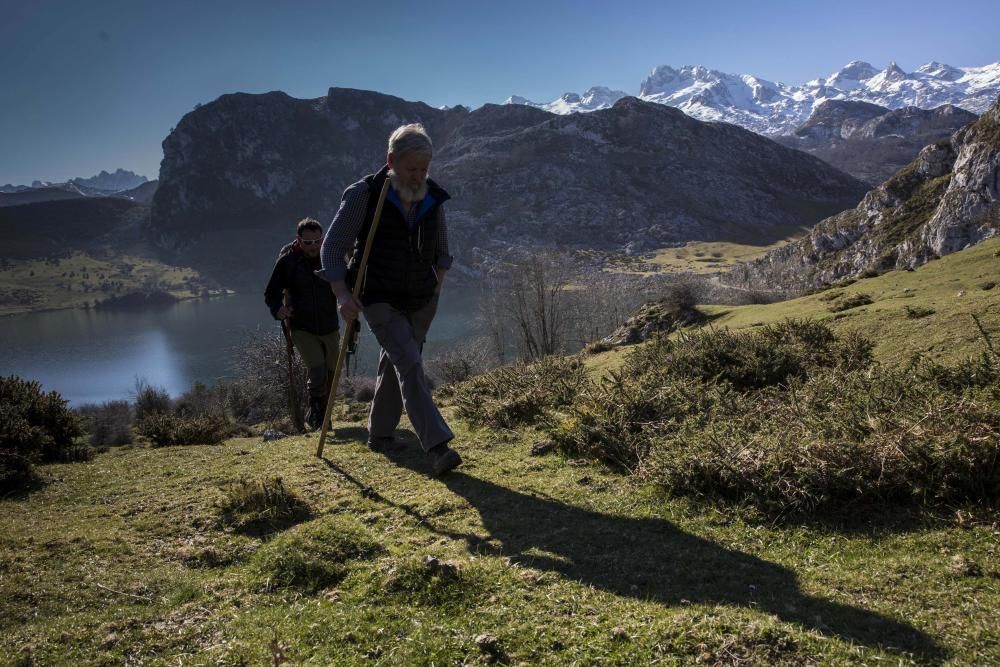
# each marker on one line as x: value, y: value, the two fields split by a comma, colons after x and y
x: 124, y: 559
x: 79, y: 280
x: 709, y: 256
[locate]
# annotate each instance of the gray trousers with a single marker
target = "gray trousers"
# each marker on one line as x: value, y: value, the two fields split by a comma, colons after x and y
x: 401, y: 383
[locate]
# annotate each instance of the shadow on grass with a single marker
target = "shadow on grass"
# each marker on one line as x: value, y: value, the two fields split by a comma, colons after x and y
x: 649, y: 559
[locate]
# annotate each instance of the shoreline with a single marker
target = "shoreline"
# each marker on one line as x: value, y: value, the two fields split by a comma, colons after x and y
x: 48, y: 308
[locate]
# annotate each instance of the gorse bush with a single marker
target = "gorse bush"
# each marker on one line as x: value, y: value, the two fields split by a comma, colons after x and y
x: 260, y: 506
x: 150, y: 400
x: 109, y: 423
x: 35, y: 427
x: 792, y: 418
x: 167, y: 430
x: 750, y: 360
x: 515, y: 395
x: 836, y: 438
x: 201, y: 400
x: 851, y: 301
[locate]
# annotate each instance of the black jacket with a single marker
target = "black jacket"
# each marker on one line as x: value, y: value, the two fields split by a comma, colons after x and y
x: 314, y: 307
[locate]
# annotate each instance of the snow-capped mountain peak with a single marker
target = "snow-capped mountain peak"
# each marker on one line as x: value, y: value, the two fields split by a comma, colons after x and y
x: 598, y: 97
x: 938, y: 70
x: 517, y: 99
x: 774, y: 108
x: 850, y: 76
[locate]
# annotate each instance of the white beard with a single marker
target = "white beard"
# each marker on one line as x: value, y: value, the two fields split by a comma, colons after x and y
x: 409, y: 194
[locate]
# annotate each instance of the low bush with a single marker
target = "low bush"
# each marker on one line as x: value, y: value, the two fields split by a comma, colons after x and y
x: 201, y: 400
x: 167, y: 430
x: 35, y: 427
x: 260, y: 506
x: 263, y: 381
x: 793, y: 418
x: 150, y: 400
x: 440, y: 584
x: 837, y: 438
x: 461, y: 362
x: 359, y: 388
x: 312, y: 556
x: 109, y: 423
x: 850, y: 301
x: 597, y: 347
x: 751, y: 359
x: 916, y: 312
x: 515, y: 395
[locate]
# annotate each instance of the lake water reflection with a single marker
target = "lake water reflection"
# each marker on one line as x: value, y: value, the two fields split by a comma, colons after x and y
x: 92, y: 356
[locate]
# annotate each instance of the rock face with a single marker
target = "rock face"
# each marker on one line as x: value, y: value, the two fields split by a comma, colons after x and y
x: 49, y: 228
x: 246, y: 167
x: 945, y: 200
x: 872, y: 142
x: 120, y: 180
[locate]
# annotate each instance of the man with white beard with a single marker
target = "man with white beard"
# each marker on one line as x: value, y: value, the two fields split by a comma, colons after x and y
x: 400, y: 285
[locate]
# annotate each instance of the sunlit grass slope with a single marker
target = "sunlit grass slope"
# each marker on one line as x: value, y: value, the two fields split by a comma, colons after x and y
x: 516, y: 559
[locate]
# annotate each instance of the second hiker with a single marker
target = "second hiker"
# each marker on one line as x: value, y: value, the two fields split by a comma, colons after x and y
x: 296, y: 295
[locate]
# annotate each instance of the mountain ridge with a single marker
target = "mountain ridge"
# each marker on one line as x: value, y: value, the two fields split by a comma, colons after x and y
x: 774, y: 108
x: 518, y: 175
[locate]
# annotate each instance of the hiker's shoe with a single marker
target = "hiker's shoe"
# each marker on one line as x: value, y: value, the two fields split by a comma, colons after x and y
x: 314, y: 417
x: 378, y: 443
x: 443, y: 459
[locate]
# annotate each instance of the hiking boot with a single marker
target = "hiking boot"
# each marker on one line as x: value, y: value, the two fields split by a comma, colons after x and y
x: 380, y: 442
x: 443, y: 459
x: 314, y: 417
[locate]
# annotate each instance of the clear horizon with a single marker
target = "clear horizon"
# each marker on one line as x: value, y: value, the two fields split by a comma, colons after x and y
x: 90, y: 89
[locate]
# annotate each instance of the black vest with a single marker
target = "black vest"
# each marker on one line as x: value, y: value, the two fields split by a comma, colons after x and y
x: 400, y: 269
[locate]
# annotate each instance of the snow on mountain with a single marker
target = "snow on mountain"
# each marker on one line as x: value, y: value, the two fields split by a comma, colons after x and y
x: 598, y: 97
x: 772, y: 108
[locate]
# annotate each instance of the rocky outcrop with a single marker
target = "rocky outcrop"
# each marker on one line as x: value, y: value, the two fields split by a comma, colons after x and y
x: 651, y: 319
x: 946, y: 200
x: 872, y: 142
x: 246, y: 167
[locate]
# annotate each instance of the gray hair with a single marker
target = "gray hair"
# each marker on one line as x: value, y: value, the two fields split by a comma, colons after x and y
x: 410, y: 138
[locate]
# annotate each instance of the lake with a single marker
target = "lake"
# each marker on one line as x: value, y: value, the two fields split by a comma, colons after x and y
x: 92, y: 356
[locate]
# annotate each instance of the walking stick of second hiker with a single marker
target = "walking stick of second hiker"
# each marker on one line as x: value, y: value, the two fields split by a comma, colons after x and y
x: 294, y: 404
x: 347, y: 337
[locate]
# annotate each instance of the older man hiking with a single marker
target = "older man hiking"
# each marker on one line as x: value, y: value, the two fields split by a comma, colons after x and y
x: 297, y: 296
x: 400, y: 285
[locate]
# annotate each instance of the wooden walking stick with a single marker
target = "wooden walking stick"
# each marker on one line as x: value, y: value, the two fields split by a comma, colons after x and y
x: 347, y: 334
x: 294, y: 404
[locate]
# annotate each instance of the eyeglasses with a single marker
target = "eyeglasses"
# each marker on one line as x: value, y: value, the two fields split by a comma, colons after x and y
x: 310, y: 241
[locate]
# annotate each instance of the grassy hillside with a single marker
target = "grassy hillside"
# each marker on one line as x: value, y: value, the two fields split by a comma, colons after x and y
x: 516, y: 559
x: 80, y: 280
x: 927, y: 311
x: 711, y: 256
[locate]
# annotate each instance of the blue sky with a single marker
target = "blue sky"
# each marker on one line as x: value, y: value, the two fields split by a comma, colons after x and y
x: 86, y: 86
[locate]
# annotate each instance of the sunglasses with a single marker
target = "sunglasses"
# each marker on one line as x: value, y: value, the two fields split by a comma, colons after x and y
x: 310, y: 241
